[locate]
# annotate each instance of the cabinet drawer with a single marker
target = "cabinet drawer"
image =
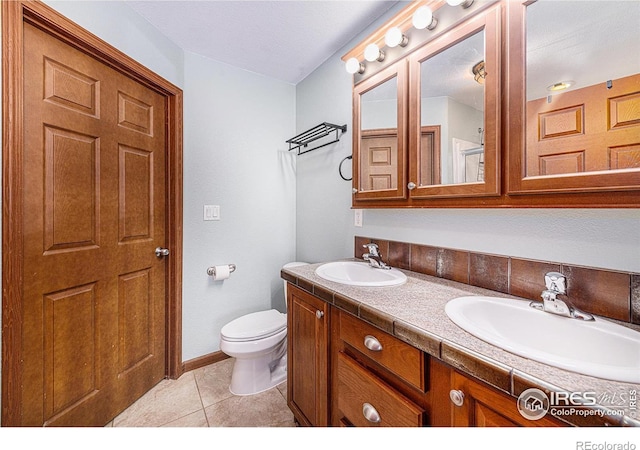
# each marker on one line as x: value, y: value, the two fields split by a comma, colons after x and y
x: 366, y: 401
x: 399, y: 357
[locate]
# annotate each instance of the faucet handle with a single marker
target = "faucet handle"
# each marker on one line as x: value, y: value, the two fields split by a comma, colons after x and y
x: 555, y: 281
x: 372, y: 248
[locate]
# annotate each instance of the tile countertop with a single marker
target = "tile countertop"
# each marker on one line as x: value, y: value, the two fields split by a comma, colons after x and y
x: 414, y: 312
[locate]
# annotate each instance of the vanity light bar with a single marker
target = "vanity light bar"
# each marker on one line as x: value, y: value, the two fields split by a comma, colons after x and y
x: 421, y: 18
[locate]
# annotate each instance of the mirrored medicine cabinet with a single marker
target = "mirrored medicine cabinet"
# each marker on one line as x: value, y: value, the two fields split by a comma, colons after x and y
x: 517, y: 104
x: 575, y: 96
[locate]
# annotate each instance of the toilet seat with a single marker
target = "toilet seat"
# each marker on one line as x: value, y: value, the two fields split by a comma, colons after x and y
x: 253, y: 326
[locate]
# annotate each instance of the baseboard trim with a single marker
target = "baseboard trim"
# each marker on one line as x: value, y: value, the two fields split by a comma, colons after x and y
x: 204, y: 360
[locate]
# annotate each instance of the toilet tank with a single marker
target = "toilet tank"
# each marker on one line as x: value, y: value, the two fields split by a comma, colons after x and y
x: 287, y: 266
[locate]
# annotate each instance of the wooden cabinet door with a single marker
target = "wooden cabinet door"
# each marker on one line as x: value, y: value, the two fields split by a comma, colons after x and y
x: 308, y: 354
x: 379, y: 135
x: 483, y: 406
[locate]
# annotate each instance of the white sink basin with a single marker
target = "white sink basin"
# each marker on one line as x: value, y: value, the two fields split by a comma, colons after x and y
x: 356, y: 273
x: 598, y: 348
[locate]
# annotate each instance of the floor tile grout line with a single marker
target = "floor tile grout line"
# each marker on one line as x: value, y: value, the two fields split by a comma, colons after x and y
x: 201, y: 401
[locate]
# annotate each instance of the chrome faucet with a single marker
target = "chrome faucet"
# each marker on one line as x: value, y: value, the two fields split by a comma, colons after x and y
x: 556, y: 284
x: 374, y: 257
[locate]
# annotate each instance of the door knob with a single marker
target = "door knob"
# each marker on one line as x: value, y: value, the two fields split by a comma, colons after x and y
x: 411, y: 185
x: 319, y: 314
x: 162, y: 252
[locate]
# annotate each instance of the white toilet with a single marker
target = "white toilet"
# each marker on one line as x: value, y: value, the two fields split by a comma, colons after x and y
x: 258, y: 341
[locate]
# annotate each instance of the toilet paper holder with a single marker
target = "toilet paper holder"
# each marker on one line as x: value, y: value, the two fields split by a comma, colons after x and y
x: 211, y: 271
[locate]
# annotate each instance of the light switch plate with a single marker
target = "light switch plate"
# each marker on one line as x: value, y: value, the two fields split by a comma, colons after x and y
x: 357, y: 214
x: 211, y: 212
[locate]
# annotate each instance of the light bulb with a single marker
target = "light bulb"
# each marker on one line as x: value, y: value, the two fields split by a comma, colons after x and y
x: 423, y: 18
x: 373, y: 53
x: 394, y: 37
x: 354, y: 66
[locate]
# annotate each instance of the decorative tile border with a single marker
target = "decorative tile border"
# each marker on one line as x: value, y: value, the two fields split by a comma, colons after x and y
x: 607, y: 293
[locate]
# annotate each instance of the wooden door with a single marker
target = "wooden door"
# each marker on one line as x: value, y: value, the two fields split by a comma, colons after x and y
x: 93, y: 333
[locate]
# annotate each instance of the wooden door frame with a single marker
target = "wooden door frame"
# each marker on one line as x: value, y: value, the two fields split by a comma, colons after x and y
x: 14, y: 15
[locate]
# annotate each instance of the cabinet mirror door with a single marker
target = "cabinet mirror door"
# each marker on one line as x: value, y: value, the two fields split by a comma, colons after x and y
x: 455, y: 112
x: 379, y: 145
x: 574, y: 93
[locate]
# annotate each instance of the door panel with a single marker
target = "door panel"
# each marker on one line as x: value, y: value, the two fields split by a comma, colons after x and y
x: 94, y: 212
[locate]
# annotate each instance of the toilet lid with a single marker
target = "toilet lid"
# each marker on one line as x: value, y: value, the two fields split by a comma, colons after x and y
x: 254, y: 326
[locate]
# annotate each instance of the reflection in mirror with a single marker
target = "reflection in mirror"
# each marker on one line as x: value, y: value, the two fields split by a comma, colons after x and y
x: 379, y: 137
x: 582, y: 87
x: 452, y: 106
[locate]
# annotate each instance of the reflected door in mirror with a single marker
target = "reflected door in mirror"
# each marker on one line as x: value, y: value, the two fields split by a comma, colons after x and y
x: 591, y: 129
x: 379, y: 159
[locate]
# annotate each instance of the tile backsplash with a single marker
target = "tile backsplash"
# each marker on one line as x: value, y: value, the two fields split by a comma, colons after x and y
x: 603, y: 292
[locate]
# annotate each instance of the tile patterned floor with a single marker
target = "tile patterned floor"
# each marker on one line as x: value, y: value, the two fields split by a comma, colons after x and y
x: 201, y: 398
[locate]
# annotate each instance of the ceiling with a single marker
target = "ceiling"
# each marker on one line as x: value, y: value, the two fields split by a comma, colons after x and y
x: 284, y: 39
x: 288, y: 39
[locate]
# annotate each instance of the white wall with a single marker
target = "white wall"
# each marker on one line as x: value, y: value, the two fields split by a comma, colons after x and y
x: 605, y: 238
x: 236, y: 124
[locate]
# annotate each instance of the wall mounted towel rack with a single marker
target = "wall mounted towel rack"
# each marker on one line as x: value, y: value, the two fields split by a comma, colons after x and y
x: 318, y: 132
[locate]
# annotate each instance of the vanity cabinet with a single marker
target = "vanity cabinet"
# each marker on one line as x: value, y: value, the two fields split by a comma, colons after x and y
x: 307, y: 357
x: 343, y: 371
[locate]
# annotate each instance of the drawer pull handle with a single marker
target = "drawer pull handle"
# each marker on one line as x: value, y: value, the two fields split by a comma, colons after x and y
x: 372, y: 343
x: 370, y: 413
x: 457, y: 397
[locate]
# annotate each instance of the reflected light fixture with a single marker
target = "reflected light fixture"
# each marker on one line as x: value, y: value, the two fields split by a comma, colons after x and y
x: 560, y: 86
x: 373, y: 53
x: 423, y: 18
x: 354, y: 66
x: 395, y: 37
x: 479, y: 73
x: 464, y: 3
